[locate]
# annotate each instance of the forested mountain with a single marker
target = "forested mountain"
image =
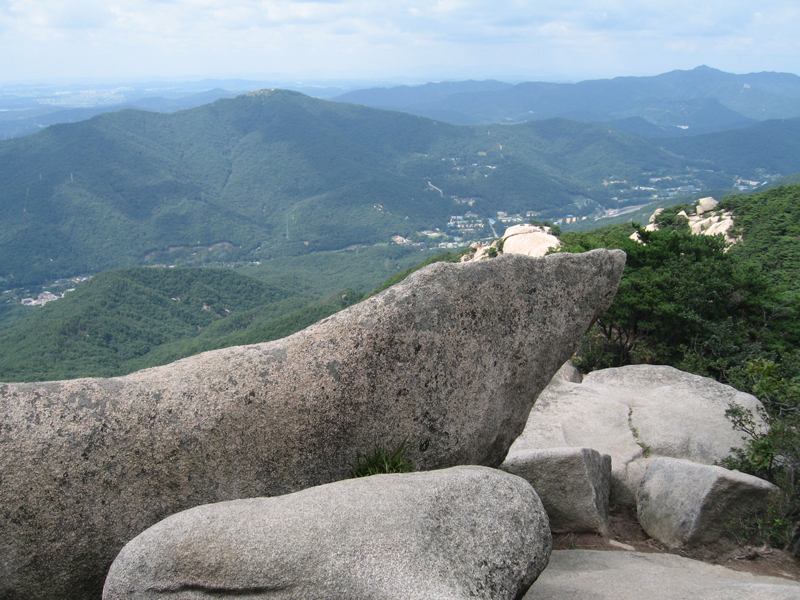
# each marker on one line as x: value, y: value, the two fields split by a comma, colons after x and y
x: 771, y: 146
x: 126, y: 319
x: 678, y: 103
x: 277, y: 173
x: 270, y: 173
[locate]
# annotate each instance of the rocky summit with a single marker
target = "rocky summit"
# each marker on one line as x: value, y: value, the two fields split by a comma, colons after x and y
x: 451, y: 359
x: 459, y: 533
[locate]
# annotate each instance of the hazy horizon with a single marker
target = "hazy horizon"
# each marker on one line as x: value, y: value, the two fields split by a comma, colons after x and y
x: 408, y: 41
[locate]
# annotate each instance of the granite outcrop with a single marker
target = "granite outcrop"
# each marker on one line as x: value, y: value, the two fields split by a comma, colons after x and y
x: 451, y: 359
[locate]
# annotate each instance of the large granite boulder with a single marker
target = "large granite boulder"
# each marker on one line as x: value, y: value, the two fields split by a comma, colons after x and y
x: 452, y: 359
x: 464, y: 532
x: 634, y: 414
x: 682, y: 502
x: 603, y: 575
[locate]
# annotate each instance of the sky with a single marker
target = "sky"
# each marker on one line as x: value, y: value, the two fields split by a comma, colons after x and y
x: 409, y: 40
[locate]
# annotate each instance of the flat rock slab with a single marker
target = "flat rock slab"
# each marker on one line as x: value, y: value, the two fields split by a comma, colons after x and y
x: 465, y: 532
x: 681, y: 502
x: 633, y: 414
x: 574, y: 485
x: 452, y: 359
x: 602, y: 575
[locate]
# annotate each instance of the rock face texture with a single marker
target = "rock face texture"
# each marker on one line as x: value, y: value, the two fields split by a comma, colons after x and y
x: 681, y: 502
x: 464, y: 532
x: 602, y: 575
x: 634, y: 414
x: 452, y: 358
x: 574, y: 485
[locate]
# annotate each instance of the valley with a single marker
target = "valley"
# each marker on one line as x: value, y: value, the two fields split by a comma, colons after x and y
x: 317, y: 197
x: 277, y: 173
x: 136, y: 238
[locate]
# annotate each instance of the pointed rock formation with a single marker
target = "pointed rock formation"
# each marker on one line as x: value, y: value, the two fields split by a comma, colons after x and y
x: 451, y: 359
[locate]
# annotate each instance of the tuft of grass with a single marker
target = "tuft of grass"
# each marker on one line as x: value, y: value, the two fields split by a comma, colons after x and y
x: 381, y: 460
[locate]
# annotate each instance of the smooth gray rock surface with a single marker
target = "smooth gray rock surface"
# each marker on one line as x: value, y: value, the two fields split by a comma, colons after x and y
x: 681, y: 502
x: 529, y: 240
x: 633, y: 414
x: 603, y: 575
x: 569, y: 372
x: 451, y: 358
x: 464, y: 532
x: 574, y: 485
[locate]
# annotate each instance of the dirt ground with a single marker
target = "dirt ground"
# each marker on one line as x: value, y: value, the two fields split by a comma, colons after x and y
x: 627, y: 535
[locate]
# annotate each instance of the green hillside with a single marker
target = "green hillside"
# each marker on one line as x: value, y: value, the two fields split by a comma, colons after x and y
x: 261, y: 175
x: 277, y: 173
x: 691, y: 302
x: 768, y: 147
x: 121, y: 315
x: 129, y: 319
x: 769, y: 223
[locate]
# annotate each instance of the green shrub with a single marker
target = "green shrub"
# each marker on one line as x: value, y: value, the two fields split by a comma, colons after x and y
x: 772, y: 453
x: 381, y: 460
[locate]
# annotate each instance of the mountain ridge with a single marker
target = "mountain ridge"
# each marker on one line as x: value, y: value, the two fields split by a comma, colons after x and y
x: 742, y: 98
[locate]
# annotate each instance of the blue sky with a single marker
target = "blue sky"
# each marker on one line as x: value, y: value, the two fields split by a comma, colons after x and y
x: 555, y: 40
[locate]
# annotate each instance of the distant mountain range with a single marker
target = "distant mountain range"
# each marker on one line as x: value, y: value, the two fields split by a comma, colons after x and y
x: 678, y: 103
x: 278, y: 173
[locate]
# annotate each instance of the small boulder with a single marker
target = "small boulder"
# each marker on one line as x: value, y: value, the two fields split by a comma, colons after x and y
x: 705, y: 204
x: 681, y: 502
x: 465, y: 532
x: 721, y: 226
x: 530, y: 240
x: 569, y: 372
x: 654, y: 216
x: 573, y: 484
